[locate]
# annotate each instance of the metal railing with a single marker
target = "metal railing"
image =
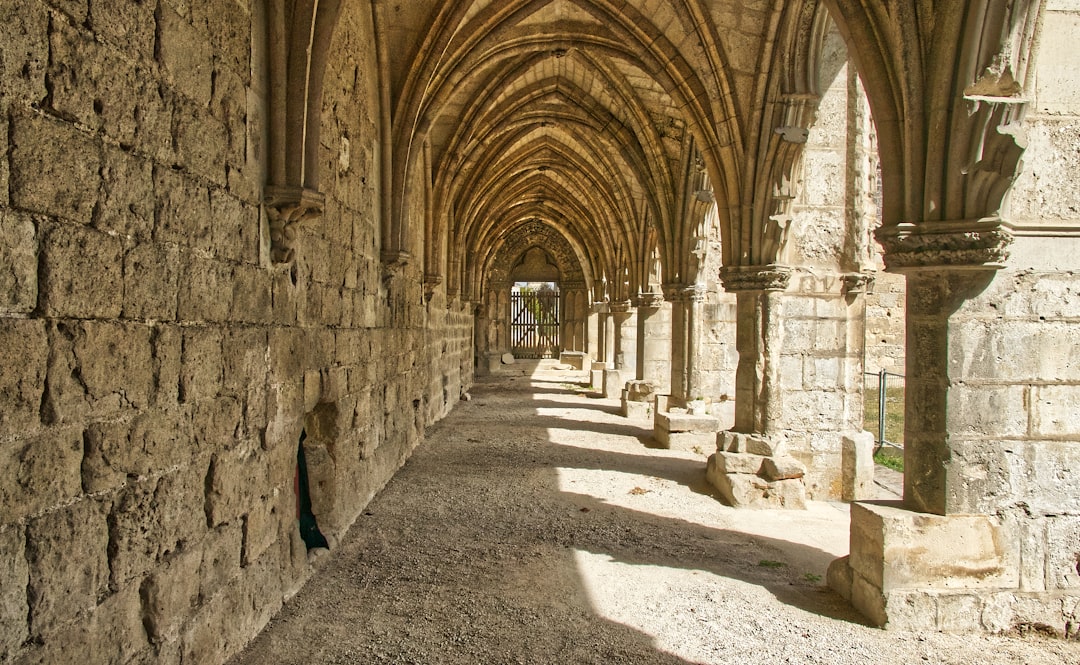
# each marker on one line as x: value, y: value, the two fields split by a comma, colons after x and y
x: 885, y: 405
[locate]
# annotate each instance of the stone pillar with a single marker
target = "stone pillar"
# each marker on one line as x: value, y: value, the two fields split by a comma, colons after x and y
x: 654, y: 341
x: 798, y: 384
x: 624, y: 319
x: 751, y: 467
x: 592, y: 334
x: 987, y: 535
x: 686, y: 331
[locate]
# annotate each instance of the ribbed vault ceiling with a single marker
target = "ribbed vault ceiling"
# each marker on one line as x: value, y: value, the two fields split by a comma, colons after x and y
x: 597, y: 118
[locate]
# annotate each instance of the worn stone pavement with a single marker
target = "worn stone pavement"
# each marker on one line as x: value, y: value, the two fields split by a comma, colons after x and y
x: 535, y: 525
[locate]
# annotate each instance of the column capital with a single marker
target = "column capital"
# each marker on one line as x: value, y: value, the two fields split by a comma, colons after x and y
x: 619, y: 307
x: 649, y: 300
x: 961, y: 244
x: 694, y: 293
x: 287, y: 208
x: 755, y: 278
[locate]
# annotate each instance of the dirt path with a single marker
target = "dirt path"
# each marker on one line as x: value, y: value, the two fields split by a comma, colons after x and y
x: 534, y: 526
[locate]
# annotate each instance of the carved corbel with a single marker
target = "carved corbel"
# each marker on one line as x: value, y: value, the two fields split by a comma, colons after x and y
x: 649, y: 300
x: 431, y: 282
x: 964, y: 244
x: 755, y: 278
x: 287, y: 208
x: 857, y: 283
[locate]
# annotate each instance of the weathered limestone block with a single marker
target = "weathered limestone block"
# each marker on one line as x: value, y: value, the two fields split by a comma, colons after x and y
x: 89, y: 82
x: 745, y: 490
x: 203, y: 363
x: 126, y: 203
x: 150, y: 520
x: 902, y: 560
x: 21, y: 382
x: 18, y: 262
x: 186, y: 56
x: 262, y: 524
x: 82, y: 273
x: 151, y: 281
x: 40, y: 471
x: 1063, y: 553
x: 151, y: 442
x: 244, y: 359
x: 128, y: 25
x: 201, y: 288
x: 751, y: 472
x: 613, y: 383
x: 736, y: 442
x: 112, y: 632
x: 88, y: 374
x: 54, y: 169
x: 13, y: 579
x: 63, y: 587
x: 857, y: 462
x: 168, y: 344
x: 24, y: 31
x: 170, y: 595
x: 221, y: 559
x: 683, y: 431
x: 235, y: 231
x: 201, y: 140
x: 114, y: 362
x: 217, y: 425
x: 183, y: 210
x: 234, y: 484
x: 637, y: 399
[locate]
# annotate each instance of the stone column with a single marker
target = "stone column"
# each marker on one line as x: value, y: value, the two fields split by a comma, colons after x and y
x: 654, y: 341
x: 987, y: 535
x: 595, y: 335
x: 686, y: 303
x: 624, y: 319
x: 751, y: 467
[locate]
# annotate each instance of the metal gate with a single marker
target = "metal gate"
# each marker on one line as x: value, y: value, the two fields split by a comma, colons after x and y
x: 534, y: 323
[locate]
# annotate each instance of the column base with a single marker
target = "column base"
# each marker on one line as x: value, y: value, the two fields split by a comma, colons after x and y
x: 749, y: 472
x: 955, y: 573
x: 683, y: 431
x: 637, y: 400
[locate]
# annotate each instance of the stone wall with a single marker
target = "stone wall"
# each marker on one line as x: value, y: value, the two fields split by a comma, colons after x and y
x: 165, y: 368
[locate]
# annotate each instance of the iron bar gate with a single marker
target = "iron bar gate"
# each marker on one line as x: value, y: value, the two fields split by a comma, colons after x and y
x: 535, y: 323
x: 889, y: 411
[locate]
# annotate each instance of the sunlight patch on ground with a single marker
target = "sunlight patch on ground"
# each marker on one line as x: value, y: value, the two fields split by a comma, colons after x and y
x: 677, y: 608
x: 816, y: 535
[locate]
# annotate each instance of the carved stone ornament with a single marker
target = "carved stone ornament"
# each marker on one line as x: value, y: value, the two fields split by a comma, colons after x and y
x: 431, y: 283
x: 755, y: 278
x: 619, y: 307
x: 287, y: 208
x: 649, y: 300
x: 694, y: 293
x: 965, y: 244
x: 858, y: 282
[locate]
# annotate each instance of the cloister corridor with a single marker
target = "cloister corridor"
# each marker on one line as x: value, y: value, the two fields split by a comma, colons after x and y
x: 535, y: 525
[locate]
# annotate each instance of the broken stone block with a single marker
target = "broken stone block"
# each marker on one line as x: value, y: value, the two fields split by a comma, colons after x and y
x: 640, y: 391
x: 857, y: 466
x: 737, y: 462
x: 781, y: 468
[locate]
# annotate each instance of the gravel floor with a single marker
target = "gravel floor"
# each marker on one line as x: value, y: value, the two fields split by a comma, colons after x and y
x: 536, y: 526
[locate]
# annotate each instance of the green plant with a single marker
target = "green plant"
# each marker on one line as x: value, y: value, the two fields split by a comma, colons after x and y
x: 812, y: 578
x: 768, y: 563
x: 889, y: 460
